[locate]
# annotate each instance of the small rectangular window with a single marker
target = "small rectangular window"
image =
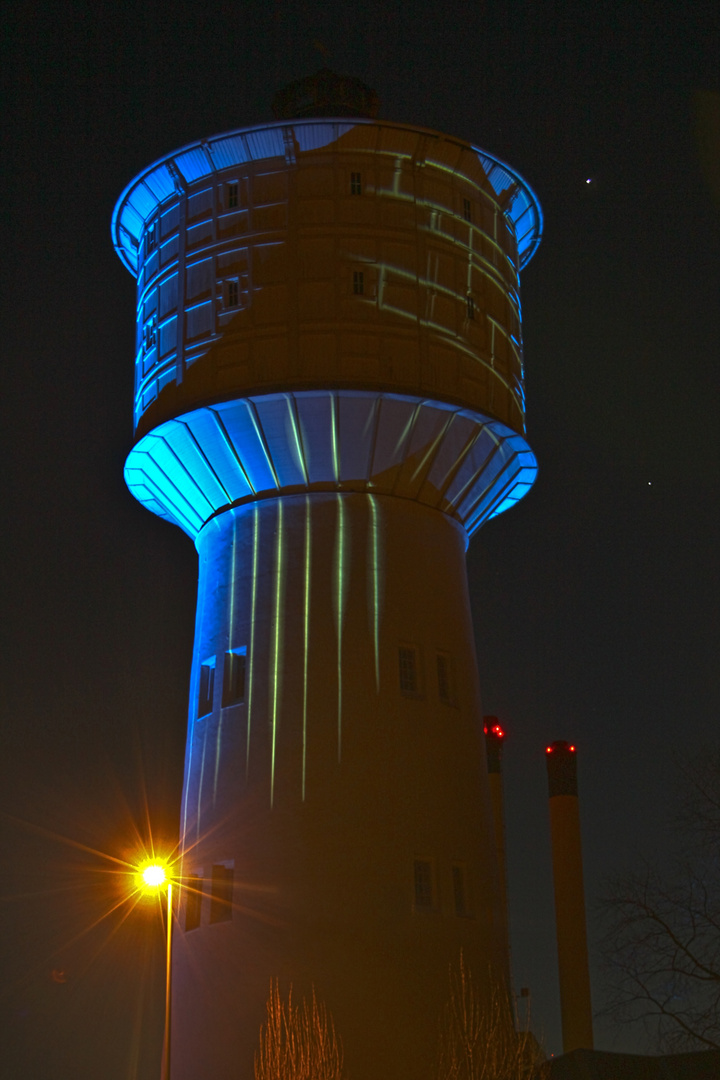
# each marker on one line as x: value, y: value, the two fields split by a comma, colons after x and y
x: 151, y: 237
x: 467, y: 210
x: 207, y: 685
x: 231, y: 293
x: 234, y: 677
x: 193, y: 901
x: 358, y: 282
x: 150, y: 333
x: 445, y: 678
x: 423, y: 884
x: 470, y: 308
x: 232, y: 196
x: 408, y: 669
x: 222, y: 893
x: 460, y: 890
x: 355, y: 183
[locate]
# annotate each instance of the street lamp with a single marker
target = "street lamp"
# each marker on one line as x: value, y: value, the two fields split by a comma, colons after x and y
x: 153, y: 876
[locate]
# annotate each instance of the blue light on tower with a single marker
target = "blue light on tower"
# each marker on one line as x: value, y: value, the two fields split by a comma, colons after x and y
x: 329, y: 399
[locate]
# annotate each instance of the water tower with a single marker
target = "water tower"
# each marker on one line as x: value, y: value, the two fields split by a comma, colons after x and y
x: 329, y: 401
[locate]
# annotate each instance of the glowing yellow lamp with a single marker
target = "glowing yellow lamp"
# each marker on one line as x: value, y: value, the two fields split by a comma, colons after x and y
x: 154, y: 876
x: 151, y: 875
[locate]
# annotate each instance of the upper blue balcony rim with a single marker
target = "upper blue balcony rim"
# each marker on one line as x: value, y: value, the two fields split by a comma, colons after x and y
x: 204, y: 158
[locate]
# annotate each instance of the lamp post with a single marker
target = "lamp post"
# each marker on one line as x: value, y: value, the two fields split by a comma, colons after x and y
x: 155, y: 876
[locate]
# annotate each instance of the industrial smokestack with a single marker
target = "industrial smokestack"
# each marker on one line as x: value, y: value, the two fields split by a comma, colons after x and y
x: 575, y: 1004
x: 494, y: 738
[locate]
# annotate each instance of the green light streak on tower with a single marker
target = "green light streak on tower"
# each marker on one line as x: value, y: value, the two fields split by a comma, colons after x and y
x: 276, y: 648
x: 253, y: 601
x: 231, y: 625
x: 306, y: 636
x: 200, y: 785
x: 218, y: 740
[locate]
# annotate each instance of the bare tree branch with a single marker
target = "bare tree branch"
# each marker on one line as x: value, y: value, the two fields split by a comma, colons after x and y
x: 662, y: 940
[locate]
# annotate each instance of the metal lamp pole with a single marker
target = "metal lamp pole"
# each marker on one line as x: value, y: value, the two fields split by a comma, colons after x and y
x: 168, y: 984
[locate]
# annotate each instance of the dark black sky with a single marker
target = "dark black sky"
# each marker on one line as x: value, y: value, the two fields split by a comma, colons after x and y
x: 596, y: 600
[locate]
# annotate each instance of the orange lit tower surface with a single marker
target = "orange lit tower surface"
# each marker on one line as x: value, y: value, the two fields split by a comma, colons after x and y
x: 575, y: 1002
x: 329, y: 401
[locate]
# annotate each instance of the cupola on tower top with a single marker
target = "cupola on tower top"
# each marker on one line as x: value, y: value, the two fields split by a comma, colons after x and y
x: 325, y: 94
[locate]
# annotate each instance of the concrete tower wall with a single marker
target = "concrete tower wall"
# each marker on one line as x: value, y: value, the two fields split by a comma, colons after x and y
x: 332, y: 779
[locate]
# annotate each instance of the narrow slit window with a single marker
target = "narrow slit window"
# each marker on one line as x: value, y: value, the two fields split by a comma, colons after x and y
x: 358, y: 282
x: 234, y: 677
x: 470, y: 307
x: 460, y: 890
x: 151, y: 237
x: 423, y: 884
x: 355, y: 183
x: 444, y: 678
x: 232, y: 293
x: 232, y: 196
x: 467, y: 209
x: 193, y: 901
x: 408, y: 669
x: 207, y: 686
x: 222, y: 893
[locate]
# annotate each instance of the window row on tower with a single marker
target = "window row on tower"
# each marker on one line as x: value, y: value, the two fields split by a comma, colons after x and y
x: 258, y: 191
x: 228, y: 281
x: 432, y: 893
x: 411, y: 678
x: 260, y: 203
x: 232, y: 191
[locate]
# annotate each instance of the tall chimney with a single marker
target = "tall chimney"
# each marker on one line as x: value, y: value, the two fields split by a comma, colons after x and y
x: 575, y: 1004
x: 494, y: 738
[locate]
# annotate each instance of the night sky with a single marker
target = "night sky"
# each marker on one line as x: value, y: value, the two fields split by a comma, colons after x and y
x: 596, y: 600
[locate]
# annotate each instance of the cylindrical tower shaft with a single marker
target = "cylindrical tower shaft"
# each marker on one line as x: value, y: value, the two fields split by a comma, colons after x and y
x: 360, y: 693
x: 574, y: 972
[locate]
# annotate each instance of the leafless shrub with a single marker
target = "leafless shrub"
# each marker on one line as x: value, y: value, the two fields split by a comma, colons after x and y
x: 298, y: 1042
x: 478, y: 1039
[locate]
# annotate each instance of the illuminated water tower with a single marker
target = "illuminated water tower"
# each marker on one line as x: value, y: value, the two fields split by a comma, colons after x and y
x: 329, y: 401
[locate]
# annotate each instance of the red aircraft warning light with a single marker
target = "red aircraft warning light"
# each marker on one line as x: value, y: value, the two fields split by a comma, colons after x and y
x: 560, y: 745
x: 494, y: 729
